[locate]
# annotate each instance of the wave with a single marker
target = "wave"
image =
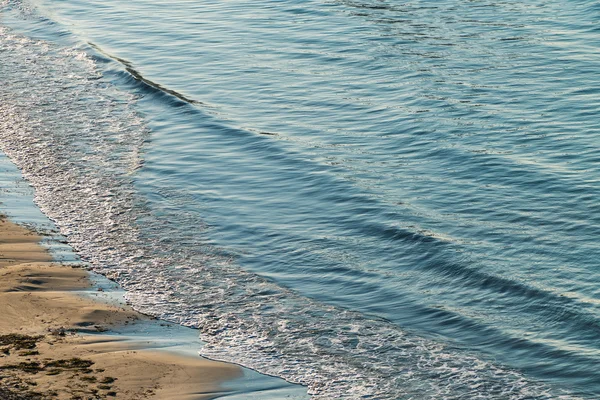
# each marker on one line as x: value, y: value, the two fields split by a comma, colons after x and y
x: 147, y: 84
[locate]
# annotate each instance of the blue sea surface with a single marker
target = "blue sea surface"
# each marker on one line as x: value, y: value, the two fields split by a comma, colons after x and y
x: 372, y: 198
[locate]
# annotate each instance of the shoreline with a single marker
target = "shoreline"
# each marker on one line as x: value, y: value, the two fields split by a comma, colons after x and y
x: 52, y: 343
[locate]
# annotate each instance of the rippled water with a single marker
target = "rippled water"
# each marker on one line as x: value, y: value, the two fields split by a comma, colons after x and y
x: 371, y: 198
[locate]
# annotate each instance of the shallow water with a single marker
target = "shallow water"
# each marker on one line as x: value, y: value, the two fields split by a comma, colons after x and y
x: 378, y: 199
x: 16, y: 201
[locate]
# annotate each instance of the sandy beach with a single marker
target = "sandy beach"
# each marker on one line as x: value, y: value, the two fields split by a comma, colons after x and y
x: 51, y: 342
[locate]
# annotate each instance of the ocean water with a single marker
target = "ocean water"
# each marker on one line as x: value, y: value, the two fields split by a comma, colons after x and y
x: 374, y: 199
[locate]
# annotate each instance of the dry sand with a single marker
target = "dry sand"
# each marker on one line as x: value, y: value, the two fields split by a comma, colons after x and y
x: 44, y: 354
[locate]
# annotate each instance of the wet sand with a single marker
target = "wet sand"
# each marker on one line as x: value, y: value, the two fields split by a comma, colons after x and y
x: 51, y: 344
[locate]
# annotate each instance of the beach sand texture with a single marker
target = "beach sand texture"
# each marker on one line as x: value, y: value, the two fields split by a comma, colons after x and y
x: 46, y: 353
